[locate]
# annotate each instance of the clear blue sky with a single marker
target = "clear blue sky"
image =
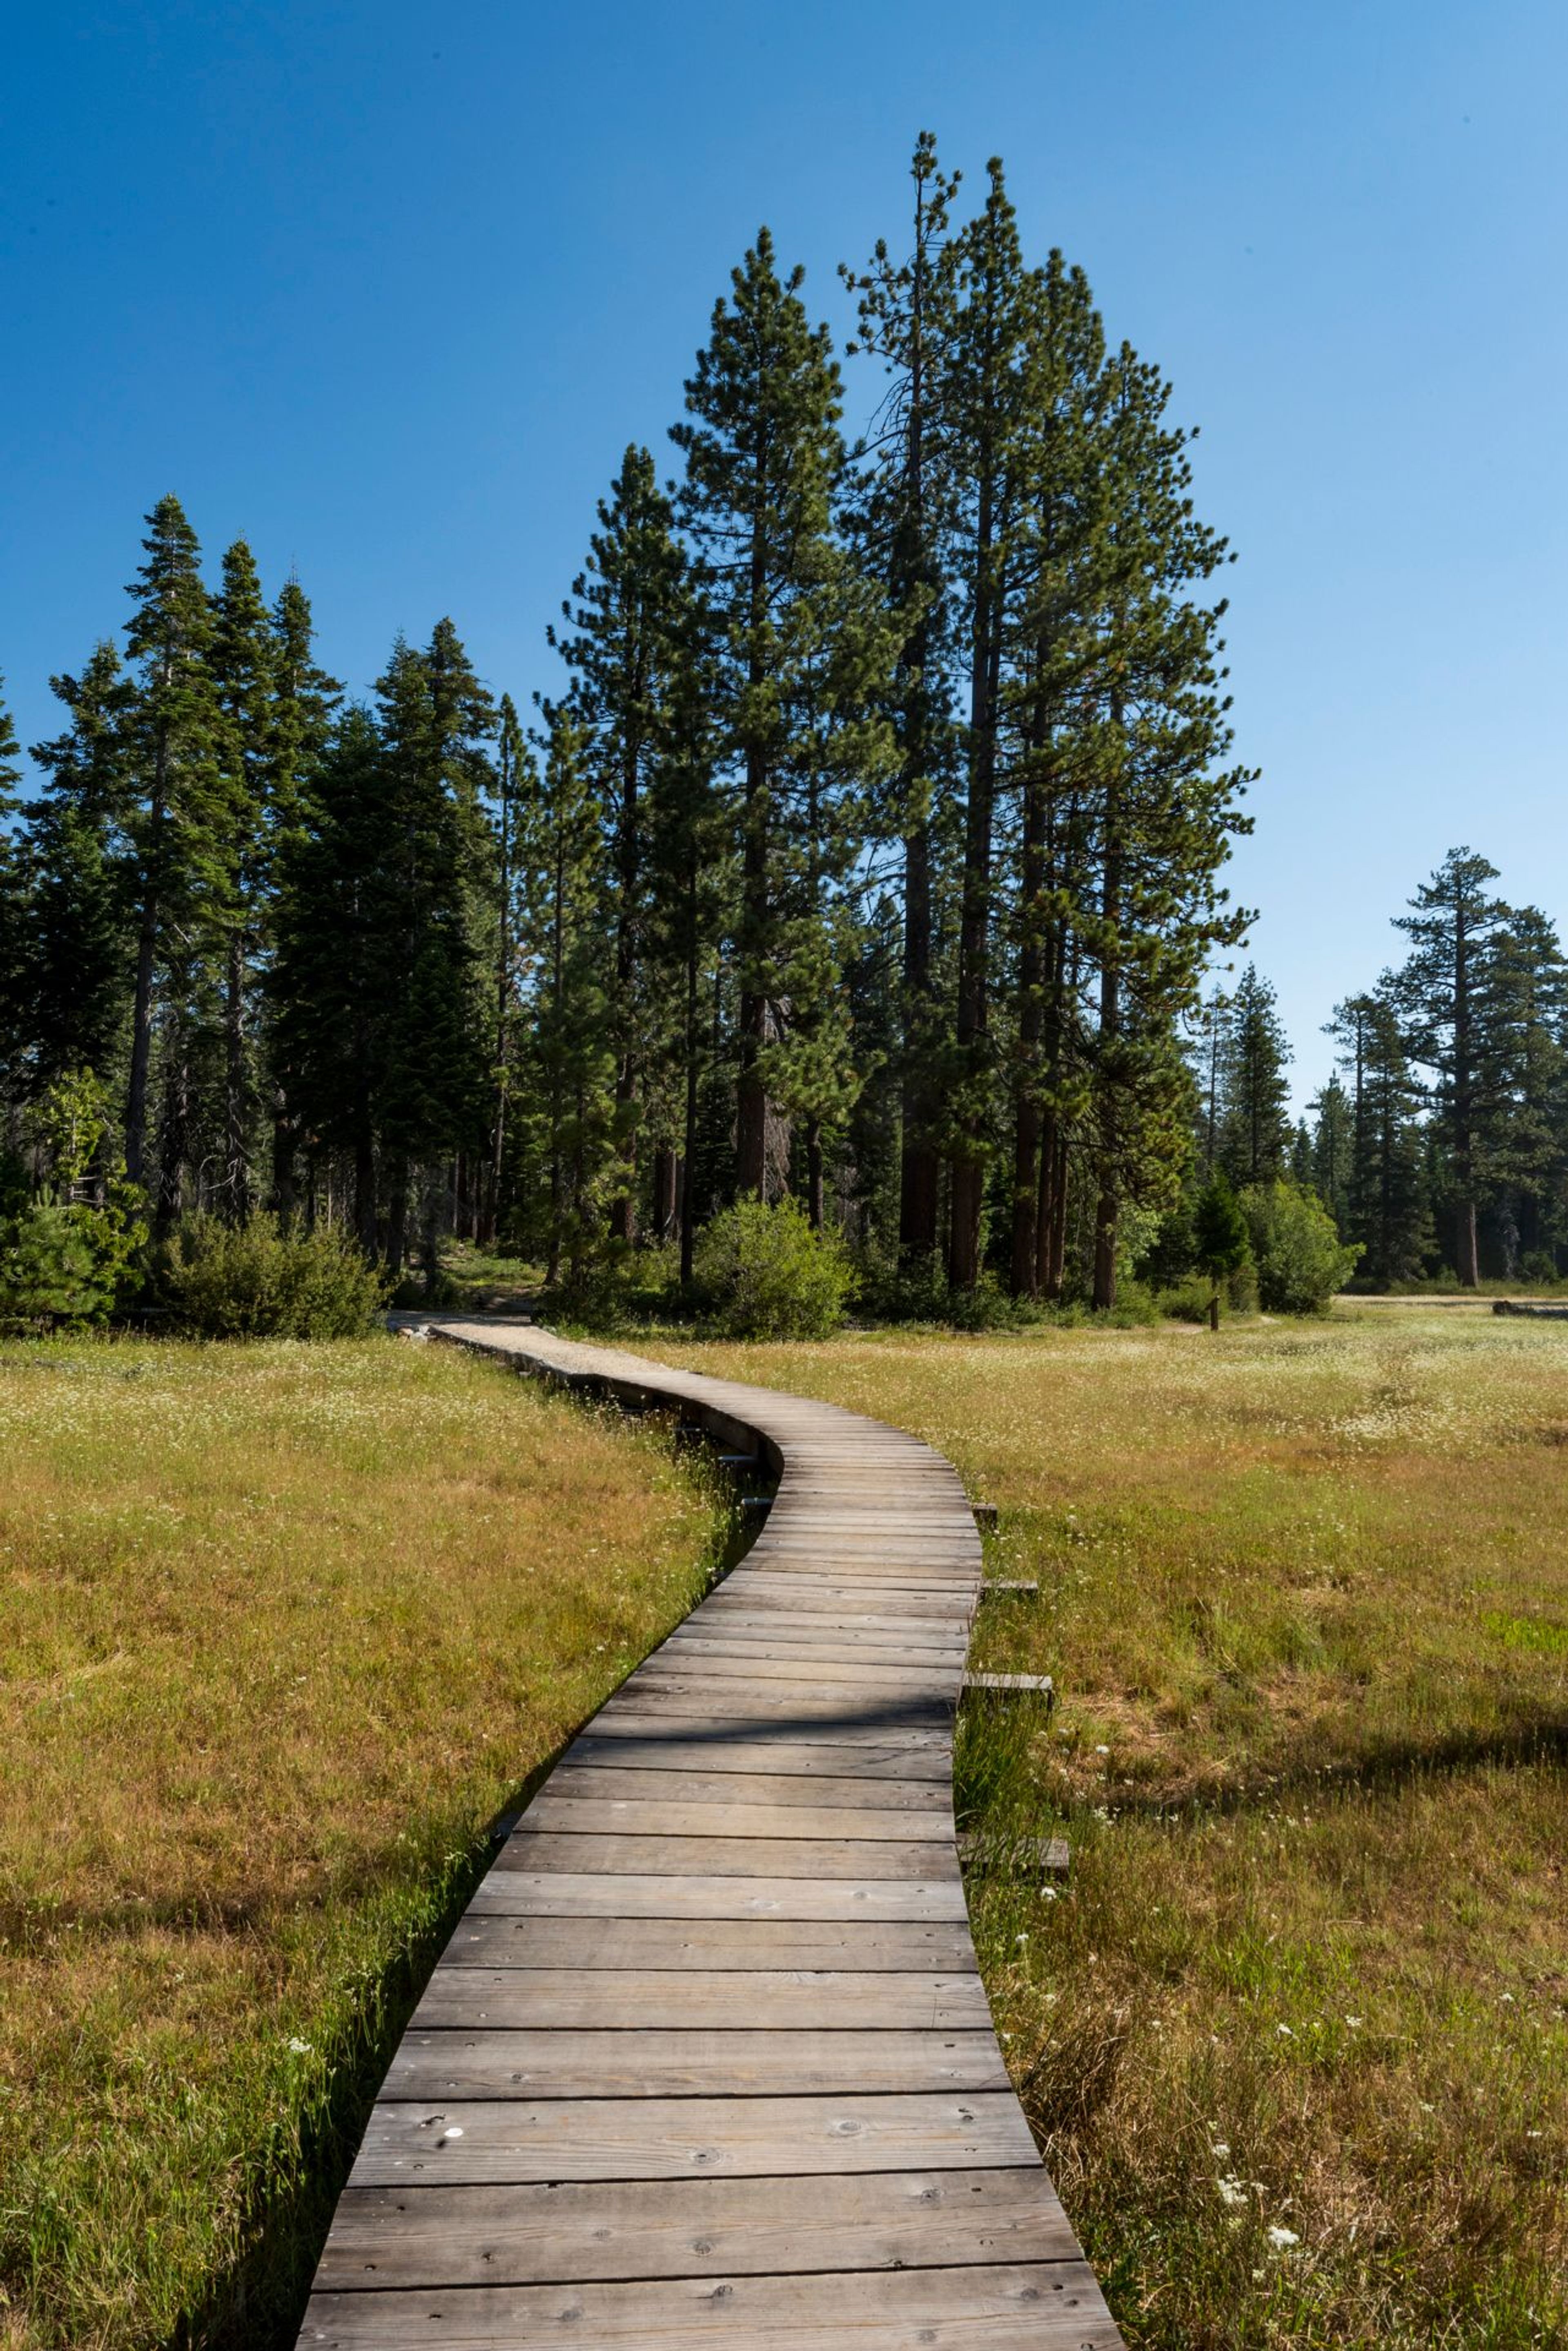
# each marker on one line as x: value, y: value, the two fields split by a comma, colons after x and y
x: 388, y: 288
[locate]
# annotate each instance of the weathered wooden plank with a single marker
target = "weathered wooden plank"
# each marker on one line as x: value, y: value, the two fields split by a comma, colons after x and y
x: 763, y: 1790
x: 733, y: 1693
x: 811, y: 1640
x: 708, y: 2054
x: 628, y: 2061
x: 665, y: 1816
x: 726, y: 1999
x: 819, y: 1858
x: 593, y: 1893
x: 661, y: 1743
x: 720, y: 1665
x: 1046, y: 2306
x: 860, y: 1946
x: 496, y: 2139
x: 567, y: 2231
x: 1029, y: 1856
x: 1012, y: 1685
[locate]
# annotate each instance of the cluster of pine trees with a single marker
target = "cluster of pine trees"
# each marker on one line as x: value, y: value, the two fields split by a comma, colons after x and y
x: 1440, y: 1148
x: 870, y: 852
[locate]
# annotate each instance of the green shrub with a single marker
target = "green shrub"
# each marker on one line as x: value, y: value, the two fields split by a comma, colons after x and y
x: 762, y: 1273
x: 264, y: 1279
x: 67, y: 1255
x: 1299, y: 1258
x: 1186, y: 1300
x: 58, y: 1264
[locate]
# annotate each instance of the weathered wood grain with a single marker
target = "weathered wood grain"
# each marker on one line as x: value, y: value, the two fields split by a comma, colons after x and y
x: 449, y: 2140
x: 1045, y: 2306
x: 708, y: 2056
x: 758, y: 2000
x: 569, y: 2231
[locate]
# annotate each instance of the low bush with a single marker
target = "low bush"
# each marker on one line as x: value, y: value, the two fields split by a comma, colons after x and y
x: 264, y: 1279
x: 1188, y: 1299
x: 68, y: 1250
x: 762, y: 1273
x: 1299, y: 1258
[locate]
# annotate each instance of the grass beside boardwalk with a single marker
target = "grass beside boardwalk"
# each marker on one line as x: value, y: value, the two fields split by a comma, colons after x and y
x: 1294, y: 2039
x: 281, y: 1627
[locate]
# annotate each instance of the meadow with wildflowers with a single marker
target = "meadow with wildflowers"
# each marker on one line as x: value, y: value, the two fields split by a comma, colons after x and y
x: 1293, y: 2038
x: 281, y: 1628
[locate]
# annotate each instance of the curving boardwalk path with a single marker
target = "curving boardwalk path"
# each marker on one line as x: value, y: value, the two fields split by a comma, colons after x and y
x: 707, y: 2059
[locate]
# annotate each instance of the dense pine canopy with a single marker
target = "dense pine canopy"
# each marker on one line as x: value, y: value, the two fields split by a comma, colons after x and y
x: 872, y: 852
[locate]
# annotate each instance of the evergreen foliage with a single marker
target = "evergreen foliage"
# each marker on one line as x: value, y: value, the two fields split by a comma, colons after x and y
x: 1220, y: 1245
x: 870, y: 856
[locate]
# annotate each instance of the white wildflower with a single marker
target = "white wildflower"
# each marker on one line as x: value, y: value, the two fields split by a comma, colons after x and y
x: 300, y: 2048
x: 1230, y: 2191
x: 1282, y: 2240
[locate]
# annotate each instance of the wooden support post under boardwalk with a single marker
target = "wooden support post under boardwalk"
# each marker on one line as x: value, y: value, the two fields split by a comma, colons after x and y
x: 707, y: 2059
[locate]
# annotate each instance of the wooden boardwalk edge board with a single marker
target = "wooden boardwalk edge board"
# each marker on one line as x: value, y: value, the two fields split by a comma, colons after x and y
x: 708, y: 2057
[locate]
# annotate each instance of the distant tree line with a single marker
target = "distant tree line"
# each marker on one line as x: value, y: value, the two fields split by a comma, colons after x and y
x: 1440, y: 1145
x: 870, y: 852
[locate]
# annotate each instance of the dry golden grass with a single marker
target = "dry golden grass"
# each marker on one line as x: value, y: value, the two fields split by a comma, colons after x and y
x: 1305, y: 1590
x: 281, y: 1628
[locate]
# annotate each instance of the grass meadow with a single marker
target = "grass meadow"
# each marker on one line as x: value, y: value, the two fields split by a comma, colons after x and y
x: 1294, y: 2037
x: 281, y: 1628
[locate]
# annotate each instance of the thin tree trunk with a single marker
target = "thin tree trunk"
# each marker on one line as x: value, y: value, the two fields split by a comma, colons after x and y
x: 283, y: 1155
x: 1466, y: 1252
x: 814, y: 1173
x: 397, y: 1218
x: 1028, y: 1120
x: 919, y: 1164
x: 1107, y: 1209
x: 689, y: 1154
x: 666, y: 1165
x: 365, y: 1187
x: 237, y: 1172
x: 974, y: 939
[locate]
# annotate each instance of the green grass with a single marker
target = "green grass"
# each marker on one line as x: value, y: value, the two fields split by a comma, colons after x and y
x: 1305, y: 1590
x: 281, y: 1629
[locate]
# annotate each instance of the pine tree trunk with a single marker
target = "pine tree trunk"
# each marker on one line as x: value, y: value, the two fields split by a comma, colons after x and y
x: 1107, y: 1205
x: 689, y: 1153
x: 919, y: 1164
x: 173, y: 1139
x: 146, y: 959
x: 920, y: 1167
x: 398, y: 1220
x: 751, y: 1101
x: 974, y: 933
x: 365, y: 1189
x: 814, y: 1173
x: 1028, y: 1121
x: 623, y: 1207
x: 666, y: 1165
x: 283, y: 1155
x: 1465, y: 1249
x: 237, y: 1174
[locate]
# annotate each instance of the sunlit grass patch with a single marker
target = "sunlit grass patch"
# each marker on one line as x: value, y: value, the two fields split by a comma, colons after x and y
x: 1293, y: 2038
x: 281, y: 1627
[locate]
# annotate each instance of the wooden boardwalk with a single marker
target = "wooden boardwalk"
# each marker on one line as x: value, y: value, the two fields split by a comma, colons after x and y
x: 708, y: 2058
